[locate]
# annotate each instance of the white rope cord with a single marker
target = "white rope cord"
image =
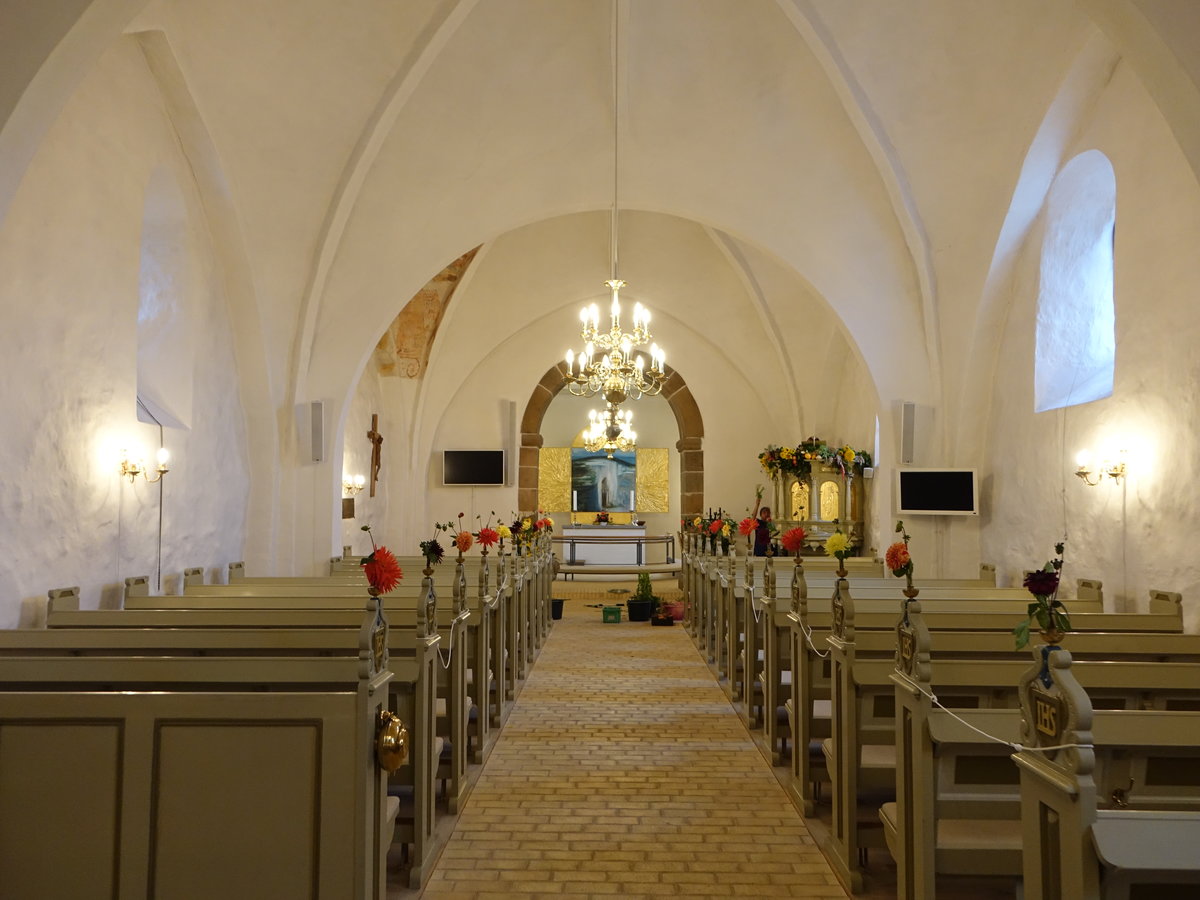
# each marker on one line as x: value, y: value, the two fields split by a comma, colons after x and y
x: 449, y: 656
x: 808, y: 638
x: 754, y: 606
x: 991, y: 737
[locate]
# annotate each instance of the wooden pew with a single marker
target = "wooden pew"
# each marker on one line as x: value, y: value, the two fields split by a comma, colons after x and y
x: 412, y: 646
x: 470, y: 577
x: 1116, y: 821
x: 808, y: 707
x: 768, y: 628
x: 143, y: 776
x: 958, y: 810
x: 861, y: 749
x: 453, y: 704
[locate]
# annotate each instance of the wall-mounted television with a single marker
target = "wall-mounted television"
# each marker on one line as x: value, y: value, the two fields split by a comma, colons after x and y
x: 473, y: 467
x: 937, y: 492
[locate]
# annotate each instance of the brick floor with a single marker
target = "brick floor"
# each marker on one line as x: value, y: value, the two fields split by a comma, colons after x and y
x: 624, y: 771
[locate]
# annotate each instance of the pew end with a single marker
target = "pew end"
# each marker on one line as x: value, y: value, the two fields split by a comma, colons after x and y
x: 1165, y: 602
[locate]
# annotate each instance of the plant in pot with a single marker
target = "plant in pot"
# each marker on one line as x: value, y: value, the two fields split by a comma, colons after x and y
x: 643, y: 601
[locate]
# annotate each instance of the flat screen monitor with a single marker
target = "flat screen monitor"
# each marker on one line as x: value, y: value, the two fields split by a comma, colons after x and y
x: 473, y: 467
x: 937, y: 492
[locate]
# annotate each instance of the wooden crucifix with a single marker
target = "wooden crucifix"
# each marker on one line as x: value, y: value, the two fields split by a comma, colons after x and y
x: 376, y: 444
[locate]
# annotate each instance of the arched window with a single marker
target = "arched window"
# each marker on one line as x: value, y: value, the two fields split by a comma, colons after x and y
x: 1076, y: 322
x: 166, y: 356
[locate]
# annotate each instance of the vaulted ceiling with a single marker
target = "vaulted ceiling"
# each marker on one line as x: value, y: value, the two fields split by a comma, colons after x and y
x: 837, y: 168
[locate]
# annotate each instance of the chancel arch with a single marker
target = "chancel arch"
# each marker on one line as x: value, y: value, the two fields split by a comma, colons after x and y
x: 687, y: 418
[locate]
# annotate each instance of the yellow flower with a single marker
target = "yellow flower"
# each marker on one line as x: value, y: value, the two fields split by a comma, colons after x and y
x: 836, y: 543
x: 848, y: 454
x: 726, y: 531
x: 504, y: 531
x: 549, y: 522
x: 526, y: 524
x: 696, y: 522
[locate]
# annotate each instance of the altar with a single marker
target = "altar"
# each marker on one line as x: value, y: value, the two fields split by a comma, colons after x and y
x: 604, y: 545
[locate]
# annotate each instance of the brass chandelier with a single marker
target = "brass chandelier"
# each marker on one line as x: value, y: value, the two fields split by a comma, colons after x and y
x: 610, y: 364
x: 610, y: 431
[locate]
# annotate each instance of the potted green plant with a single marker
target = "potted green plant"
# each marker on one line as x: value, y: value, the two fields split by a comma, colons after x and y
x: 643, y: 601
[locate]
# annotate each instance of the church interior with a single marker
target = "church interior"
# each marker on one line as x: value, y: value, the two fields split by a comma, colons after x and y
x: 301, y: 249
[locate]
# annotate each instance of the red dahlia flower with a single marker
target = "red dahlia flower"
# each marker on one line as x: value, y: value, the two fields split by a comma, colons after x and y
x: 382, y: 570
x: 487, y: 537
x: 793, y: 539
x: 714, y: 526
x: 747, y: 525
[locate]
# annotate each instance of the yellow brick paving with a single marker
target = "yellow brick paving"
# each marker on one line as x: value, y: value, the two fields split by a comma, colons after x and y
x: 624, y: 771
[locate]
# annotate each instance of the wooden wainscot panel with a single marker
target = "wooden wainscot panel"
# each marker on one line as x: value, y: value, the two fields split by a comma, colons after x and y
x: 58, y: 807
x: 269, y: 772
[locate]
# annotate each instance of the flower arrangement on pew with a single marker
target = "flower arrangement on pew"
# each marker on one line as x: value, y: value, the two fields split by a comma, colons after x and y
x: 793, y: 540
x: 746, y: 529
x: 838, y: 545
x: 380, y: 567
x: 521, y: 530
x: 463, y: 539
x: 487, y: 536
x: 900, y: 563
x: 432, y: 549
x: 503, y: 532
x: 716, y: 526
x: 1047, y: 610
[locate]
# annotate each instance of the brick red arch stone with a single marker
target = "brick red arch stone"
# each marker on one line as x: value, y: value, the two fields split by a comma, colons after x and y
x: 690, y: 443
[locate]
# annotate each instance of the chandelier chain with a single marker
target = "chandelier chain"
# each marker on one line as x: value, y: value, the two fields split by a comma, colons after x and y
x: 609, y: 364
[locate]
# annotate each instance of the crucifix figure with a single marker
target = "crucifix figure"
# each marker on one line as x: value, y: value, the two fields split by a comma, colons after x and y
x: 376, y: 443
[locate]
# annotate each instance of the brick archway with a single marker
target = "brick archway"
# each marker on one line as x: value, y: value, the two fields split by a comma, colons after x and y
x: 689, y: 445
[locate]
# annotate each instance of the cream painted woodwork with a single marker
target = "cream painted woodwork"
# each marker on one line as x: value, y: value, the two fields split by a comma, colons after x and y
x: 193, y: 773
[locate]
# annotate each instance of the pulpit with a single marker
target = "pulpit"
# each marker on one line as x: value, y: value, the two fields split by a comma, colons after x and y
x: 823, y: 500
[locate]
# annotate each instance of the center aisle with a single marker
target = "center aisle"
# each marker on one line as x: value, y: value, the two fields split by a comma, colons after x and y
x: 624, y: 771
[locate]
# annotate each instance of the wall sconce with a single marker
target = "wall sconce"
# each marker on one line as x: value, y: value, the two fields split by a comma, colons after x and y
x: 1093, y: 476
x: 353, y: 485
x: 133, y: 468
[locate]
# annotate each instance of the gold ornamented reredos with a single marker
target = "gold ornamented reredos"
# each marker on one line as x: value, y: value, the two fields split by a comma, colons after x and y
x: 554, y: 478
x: 653, y: 480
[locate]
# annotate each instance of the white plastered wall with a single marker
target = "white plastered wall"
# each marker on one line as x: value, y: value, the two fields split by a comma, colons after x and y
x: 1138, y: 534
x: 69, y: 273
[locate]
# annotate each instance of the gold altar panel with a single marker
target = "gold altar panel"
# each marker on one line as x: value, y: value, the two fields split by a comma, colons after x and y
x: 829, y: 501
x: 799, y: 510
x: 554, y: 478
x: 653, y: 480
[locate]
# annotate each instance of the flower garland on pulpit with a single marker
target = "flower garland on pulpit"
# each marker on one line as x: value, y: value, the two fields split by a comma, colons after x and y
x: 798, y: 460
